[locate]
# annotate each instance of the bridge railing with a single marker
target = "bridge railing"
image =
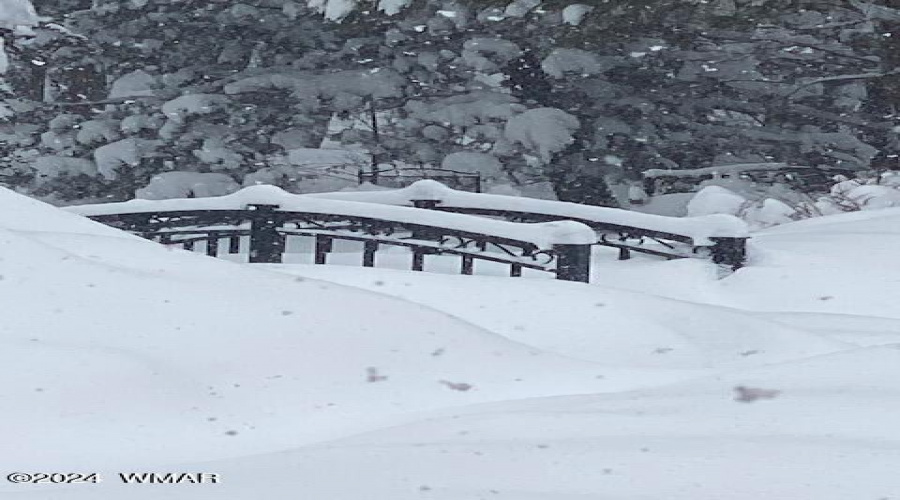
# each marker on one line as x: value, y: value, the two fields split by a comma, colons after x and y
x: 720, y: 237
x: 400, y: 177
x: 267, y: 217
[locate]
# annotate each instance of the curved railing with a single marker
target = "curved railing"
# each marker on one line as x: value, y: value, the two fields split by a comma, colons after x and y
x: 399, y: 177
x: 267, y: 217
x: 721, y: 237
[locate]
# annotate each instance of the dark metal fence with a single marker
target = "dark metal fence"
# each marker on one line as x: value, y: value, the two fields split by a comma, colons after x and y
x: 729, y: 250
x: 404, y: 176
x: 267, y: 229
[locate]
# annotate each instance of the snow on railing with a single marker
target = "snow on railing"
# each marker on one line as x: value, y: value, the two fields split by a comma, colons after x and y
x: 701, y: 230
x: 543, y: 235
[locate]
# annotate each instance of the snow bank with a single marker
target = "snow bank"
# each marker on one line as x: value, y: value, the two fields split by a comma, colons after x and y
x: 757, y: 213
x: 700, y: 229
x: 20, y: 213
x: 597, y: 324
x: 448, y: 388
x: 821, y: 429
x: 186, y: 358
x: 830, y: 424
x: 544, y: 235
x: 715, y: 200
x: 837, y: 264
x: 862, y: 194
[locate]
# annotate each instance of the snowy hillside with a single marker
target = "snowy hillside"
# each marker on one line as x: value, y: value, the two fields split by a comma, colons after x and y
x: 122, y: 355
x: 489, y: 192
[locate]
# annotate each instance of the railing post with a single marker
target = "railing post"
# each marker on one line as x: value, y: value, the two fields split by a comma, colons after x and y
x: 266, y: 243
x: 212, y: 244
x: 730, y: 252
x: 573, y: 262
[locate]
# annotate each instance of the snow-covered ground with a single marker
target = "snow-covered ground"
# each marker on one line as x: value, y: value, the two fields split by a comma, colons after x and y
x: 661, y: 380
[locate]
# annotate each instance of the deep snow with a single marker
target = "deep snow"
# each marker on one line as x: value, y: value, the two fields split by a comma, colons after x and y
x: 121, y: 355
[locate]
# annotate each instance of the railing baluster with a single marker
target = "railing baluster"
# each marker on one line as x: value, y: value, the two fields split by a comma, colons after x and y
x: 468, y: 265
x: 212, y: 244
x: 369, y: 249
x: 323, y: 246
x: 418, y: 259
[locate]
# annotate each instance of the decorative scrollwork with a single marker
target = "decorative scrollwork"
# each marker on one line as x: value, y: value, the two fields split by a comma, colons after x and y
x: 264, y: 237
x: 455, y: 241
x: 550, y: 257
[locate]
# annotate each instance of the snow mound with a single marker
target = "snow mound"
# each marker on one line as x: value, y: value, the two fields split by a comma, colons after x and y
x: 715, y: 200
x: 830, y: 424
x: 611, y: 327
x: 117, y: 339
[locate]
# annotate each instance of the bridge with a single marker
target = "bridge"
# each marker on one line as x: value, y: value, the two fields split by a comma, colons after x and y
x: 426, y: 218
x: 720, y: 237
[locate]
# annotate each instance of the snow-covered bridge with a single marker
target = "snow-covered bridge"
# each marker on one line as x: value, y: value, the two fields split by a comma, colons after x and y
x: 426, y: 218
x: 260, y: 221
x: 722, y: 237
